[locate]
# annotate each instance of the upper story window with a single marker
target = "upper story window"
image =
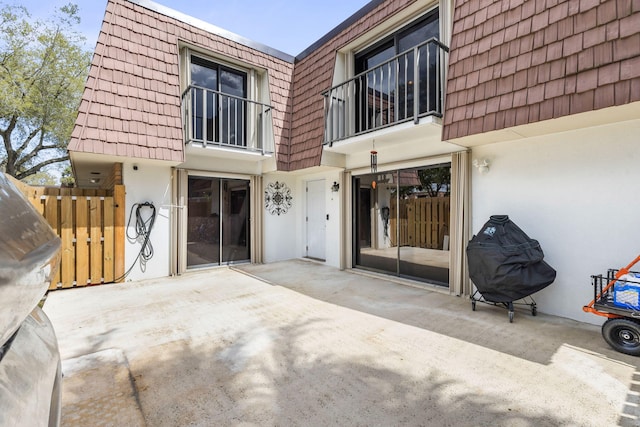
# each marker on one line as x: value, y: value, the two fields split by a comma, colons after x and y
x: 407, y: 38
x: 221, y: 104
x: 218, y: 102
x: 390, y: 83
x: 397, y: 79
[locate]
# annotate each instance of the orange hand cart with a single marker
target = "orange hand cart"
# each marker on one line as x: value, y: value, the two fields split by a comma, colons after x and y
x: 617, y: 297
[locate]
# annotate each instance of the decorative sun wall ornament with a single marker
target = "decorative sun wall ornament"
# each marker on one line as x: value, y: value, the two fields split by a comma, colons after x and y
x: 277, y: 198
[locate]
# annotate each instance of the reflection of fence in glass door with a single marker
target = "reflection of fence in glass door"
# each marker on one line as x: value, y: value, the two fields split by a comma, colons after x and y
x: 422, y: 222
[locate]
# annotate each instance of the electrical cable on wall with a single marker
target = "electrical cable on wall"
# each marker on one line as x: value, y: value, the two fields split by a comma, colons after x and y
x: 143, y: 229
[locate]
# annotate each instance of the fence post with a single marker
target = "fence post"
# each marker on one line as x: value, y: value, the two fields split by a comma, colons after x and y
x: 108, y: 244
x: 67, y: 232
x: 119, y: 231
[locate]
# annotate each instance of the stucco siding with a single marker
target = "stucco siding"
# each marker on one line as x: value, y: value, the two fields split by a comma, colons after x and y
x: 573, y: 192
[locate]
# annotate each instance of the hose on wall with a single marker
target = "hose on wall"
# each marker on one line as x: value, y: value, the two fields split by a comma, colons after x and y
x: 143, y: 227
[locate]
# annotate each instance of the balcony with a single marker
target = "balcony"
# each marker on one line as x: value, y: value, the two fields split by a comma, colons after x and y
x: 213, y: 119
x: 405, y: 88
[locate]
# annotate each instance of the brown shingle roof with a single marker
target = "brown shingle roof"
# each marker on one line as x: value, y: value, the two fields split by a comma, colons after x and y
x: 131, y: 103
x: 536, y: 60
x: 313, y: 74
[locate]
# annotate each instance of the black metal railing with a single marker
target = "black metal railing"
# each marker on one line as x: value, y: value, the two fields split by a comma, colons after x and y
x: 214, y: 118
x: 406, y: 87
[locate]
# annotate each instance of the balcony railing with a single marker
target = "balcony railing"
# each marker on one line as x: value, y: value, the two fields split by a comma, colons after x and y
x: 404, y: 88
x: 214, y: 118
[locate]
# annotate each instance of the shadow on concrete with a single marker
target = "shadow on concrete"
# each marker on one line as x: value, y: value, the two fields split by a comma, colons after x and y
x: 217, y: 348
x: 537, y: 339
x: 272, y: 378
x: 533, y: 338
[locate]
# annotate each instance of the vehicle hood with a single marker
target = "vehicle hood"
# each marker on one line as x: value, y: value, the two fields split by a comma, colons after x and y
x: 29, y: 257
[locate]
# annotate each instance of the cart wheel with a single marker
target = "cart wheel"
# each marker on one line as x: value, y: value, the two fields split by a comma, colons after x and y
x: 511, y: 317
x: 623, y: 335
x: 534, y: 310
x: 473, y: 305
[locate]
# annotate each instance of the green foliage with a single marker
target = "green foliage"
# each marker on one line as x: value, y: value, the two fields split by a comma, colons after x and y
x: 435, y: 180
x: 43, y: 68
x: 67, y: 179
x: 40, y: 179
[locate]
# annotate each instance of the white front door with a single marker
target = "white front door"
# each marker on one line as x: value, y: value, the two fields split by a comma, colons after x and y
x: 316, y: 219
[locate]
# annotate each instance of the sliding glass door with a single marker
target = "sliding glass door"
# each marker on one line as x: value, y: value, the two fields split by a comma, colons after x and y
x: 376, y: 245
x: 401, y: 223
x: 217, y: 221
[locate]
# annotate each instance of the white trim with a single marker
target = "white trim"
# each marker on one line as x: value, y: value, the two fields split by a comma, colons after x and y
x: 215, y: 57
x: 391, y: 25
x: 256, y: 219
x: 405, y: 164
x: 173, y: 224
x: 181, y: 223
x: 210, y: 174
x: 210, y: 28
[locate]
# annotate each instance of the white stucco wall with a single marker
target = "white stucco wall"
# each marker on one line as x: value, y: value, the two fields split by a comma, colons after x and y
x: 576, y: 193
x: 280, y: 231
x: 150, y: 183
x: 285, y: 236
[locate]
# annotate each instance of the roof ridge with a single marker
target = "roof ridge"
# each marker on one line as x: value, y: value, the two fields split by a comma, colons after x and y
x: 213, y: 29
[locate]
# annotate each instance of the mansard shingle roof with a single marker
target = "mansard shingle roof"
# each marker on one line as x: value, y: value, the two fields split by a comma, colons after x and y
x: 512, y: 62
x: 314, y: 73
x: 522, y: 61
x: 131, y: 103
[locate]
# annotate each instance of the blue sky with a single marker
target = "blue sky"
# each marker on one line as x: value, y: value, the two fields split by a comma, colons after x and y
x: 287, y: 25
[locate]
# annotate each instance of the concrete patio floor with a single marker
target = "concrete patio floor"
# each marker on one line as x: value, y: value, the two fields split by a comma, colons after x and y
x: 299, y: 343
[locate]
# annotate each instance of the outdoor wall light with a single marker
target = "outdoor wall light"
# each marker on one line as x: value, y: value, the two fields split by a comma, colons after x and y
x: 335, y: 187
x: 482, y: 165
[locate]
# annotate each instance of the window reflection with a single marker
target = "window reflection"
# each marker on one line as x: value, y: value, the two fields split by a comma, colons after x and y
x: 386, y: 92
x: 218, y: 104
x: 217, y: 221
x: 402, y: 222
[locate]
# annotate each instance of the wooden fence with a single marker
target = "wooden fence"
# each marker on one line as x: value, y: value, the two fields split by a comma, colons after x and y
x: 423, y: 222
x: 91, y: 225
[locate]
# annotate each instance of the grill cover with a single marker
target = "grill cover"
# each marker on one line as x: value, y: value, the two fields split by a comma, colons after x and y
x: 505, y: 264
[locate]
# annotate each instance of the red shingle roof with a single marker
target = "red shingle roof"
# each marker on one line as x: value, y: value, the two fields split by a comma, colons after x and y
x: 521, y: 61
x: 313, y: 75
x: 511, y: 63
x: 131, y: 103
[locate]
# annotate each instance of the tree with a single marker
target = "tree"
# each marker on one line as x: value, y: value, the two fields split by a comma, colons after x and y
x: 43, y: 68
x: 67, y: 179
x: 40, y: 179
x: 435, y: 180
